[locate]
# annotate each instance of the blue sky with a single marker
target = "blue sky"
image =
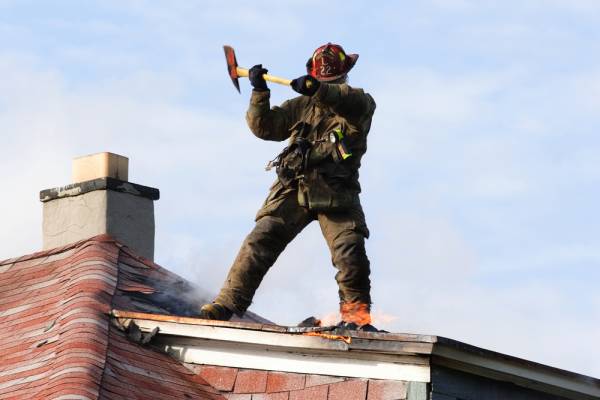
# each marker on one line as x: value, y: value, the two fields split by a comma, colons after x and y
x: 480, y: 184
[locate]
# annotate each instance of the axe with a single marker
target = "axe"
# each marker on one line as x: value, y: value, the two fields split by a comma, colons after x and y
x: 236, y: 72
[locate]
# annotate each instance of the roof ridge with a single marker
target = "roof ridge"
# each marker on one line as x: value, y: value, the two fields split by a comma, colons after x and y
x: 109, y: 319
x: 76, y: 311
x: 113, y: 328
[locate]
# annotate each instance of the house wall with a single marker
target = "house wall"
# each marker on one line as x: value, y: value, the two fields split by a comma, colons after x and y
x: 249, y: 384
x: 449, y: 384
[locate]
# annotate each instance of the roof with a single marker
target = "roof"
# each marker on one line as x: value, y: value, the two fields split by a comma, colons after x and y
x: 56, y: 339
x: 74, y: 322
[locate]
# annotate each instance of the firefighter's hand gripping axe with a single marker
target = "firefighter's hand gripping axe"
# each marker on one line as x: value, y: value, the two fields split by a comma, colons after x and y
x: 236, y: 72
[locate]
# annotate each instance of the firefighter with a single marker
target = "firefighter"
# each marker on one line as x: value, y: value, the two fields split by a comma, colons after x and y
x: 317, y: 179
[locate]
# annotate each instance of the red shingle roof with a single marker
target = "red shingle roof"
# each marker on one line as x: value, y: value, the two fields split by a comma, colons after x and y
x: 56, y: 339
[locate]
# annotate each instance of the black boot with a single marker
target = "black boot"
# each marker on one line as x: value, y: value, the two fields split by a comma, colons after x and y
x: 351, y: 326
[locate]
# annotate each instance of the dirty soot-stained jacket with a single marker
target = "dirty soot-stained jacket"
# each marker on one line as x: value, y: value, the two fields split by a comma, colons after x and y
x: 331, y: 183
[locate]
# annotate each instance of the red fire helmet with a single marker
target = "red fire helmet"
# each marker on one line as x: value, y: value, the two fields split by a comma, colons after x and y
x: 330, y: 62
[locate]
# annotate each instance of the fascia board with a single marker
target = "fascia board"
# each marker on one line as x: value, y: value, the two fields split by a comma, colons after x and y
x: 280, y: 339
x: 235, y: 335
x: 298, y: 353
x: 240, y: 355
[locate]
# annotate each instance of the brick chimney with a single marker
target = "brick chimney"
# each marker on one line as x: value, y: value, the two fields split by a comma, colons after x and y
x: 100, y: 200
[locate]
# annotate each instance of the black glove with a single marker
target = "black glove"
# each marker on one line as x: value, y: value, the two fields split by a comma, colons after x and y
x: 255, y: 74
x: 306, y: 85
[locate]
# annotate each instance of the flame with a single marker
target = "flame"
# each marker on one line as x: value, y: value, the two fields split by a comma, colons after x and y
x: 358, y: 313
x: 345, y: 339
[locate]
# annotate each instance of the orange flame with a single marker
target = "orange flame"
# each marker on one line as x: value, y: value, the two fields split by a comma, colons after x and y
x: 345, y: 339
x: 358, y: 313
x: 377, y: 318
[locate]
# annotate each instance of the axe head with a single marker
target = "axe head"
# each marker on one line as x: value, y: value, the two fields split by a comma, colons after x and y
x: 232, y: 66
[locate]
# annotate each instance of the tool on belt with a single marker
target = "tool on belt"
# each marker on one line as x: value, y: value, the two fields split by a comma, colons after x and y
x: 291, y: 162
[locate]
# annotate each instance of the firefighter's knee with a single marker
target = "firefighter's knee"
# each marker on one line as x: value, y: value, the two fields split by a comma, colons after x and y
x: 349, y: 251
x: 270, y: 233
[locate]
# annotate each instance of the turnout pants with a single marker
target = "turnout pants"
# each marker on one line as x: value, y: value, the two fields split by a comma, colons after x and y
x: 277, y: 224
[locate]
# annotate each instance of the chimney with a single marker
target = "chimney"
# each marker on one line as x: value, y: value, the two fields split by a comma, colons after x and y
x: 100, y: 201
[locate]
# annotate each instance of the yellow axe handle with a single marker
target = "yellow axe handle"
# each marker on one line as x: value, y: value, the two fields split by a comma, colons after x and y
x: 243, y: 72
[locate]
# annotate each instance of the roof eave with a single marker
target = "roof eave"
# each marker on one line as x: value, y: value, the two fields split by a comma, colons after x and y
x: 269, y: 347
x: 359, y: 354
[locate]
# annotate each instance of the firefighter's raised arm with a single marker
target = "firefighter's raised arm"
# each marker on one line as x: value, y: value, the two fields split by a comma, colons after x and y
x: 265, y: 122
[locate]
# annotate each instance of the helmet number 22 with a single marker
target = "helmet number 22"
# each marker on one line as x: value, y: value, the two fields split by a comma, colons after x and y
x: 325, y: 69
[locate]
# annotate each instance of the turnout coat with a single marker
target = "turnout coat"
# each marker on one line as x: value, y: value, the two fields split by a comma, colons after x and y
x: 330, y: 179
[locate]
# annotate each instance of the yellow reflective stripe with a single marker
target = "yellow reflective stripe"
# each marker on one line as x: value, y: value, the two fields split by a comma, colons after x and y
x: 342, y: 151
x: 341, y: 147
